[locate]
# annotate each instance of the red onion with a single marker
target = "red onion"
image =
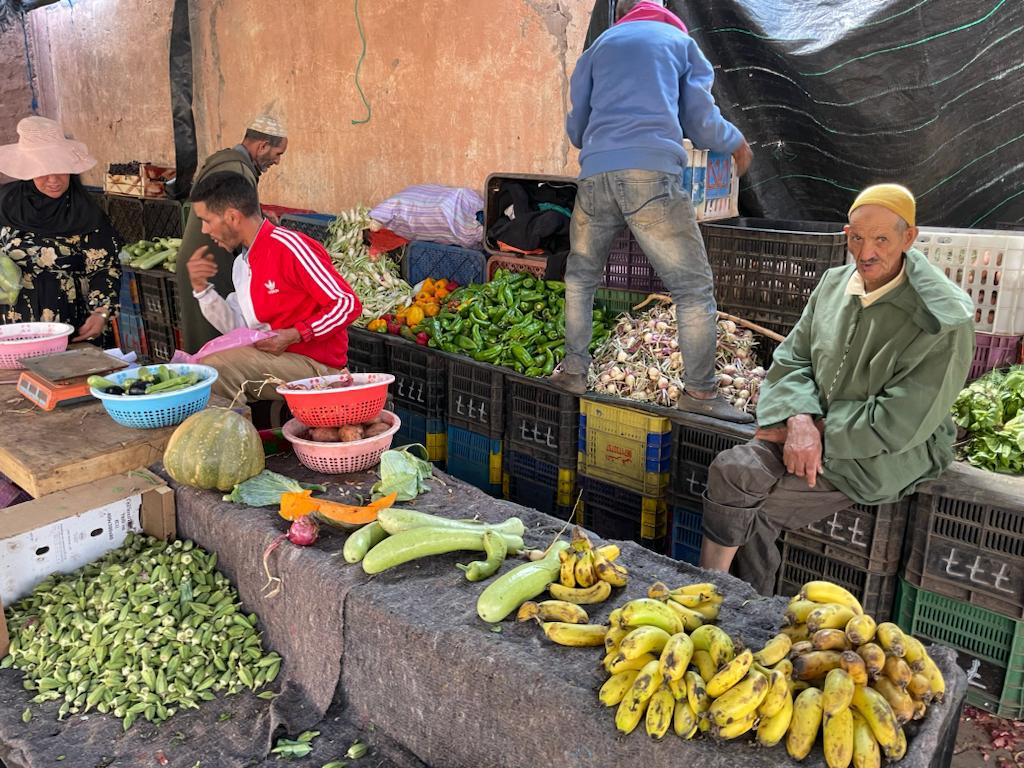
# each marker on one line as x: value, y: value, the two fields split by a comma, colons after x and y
x: 303, y: 532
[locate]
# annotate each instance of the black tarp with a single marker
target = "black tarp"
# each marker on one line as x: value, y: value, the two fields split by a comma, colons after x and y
x: 834, y: 95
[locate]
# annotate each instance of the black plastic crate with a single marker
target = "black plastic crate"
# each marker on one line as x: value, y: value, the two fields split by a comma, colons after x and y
x: 158, y: 296
x: 867, y: 537
x: 614, y: 512
x: 542, y: 421
x: 421, y: 377
x: 540, y: 485
x: 366, y: 351
x: 161, y: 218
x: 476, y: 397
x: 765, y: 269
x: 965, y: 540
x: 161, y: 340
x: 628, y: 269
x: 696, y: 441
x: 98, y: 195
x: 314, y: 225
x: 876, y: 591
x: 530, y: 181
x: 127, y: 217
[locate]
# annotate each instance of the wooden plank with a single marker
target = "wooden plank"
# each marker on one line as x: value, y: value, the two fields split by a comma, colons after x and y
x: 48, y: 451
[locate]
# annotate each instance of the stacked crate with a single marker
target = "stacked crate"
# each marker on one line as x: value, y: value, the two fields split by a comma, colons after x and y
x: 158, y: 296
x: 858, y: 548
x: 624, y: 462
x: 696, y: 441
x: 476, y: 422
x: 542, y: 426
x: 963, y: 580
x: 418, y: 395
x: 128, y: 327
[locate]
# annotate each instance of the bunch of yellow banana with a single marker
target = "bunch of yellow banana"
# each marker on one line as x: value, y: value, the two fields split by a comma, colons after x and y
x: 855, y: 681
x: 587, y: 573
x: 664, y: 674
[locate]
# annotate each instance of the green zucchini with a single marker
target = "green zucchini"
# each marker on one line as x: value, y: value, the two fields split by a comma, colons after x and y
x: 423, y: 542
x: 362, y: 541
x: 524, y: 582
x: 395, y: 520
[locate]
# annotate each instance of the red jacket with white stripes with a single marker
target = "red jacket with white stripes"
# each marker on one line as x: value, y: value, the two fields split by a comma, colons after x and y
x: 294, y: 285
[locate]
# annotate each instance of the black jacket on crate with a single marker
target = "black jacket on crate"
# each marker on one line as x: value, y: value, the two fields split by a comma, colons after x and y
x: 195, y: 330
x: 535, y: 216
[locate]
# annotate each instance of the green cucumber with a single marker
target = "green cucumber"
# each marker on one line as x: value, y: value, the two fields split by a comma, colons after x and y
x: 362, y: 541
x: 396, y: 520
x: 524, y: 582
x: 100, y: 383
x: 423, y: 542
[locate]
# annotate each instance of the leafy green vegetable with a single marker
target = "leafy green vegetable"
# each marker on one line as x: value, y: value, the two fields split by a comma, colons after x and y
x: 266, y: 488
x: 403, y: 473
x: 991, y: 410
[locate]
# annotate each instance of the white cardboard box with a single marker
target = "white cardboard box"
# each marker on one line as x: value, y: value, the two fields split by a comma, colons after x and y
x: 66, y: 530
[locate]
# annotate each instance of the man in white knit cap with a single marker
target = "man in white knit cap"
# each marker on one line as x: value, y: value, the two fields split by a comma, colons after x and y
x: 261, y: 148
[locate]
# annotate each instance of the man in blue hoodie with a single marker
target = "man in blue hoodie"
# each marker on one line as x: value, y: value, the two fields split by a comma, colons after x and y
x: 637, y: 92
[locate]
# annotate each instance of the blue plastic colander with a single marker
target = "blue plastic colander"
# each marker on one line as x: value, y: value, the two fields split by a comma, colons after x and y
x: 160, y: 410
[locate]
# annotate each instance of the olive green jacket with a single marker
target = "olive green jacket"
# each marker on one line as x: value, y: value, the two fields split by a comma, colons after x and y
x: 195, y: 330
x: 884, y: 377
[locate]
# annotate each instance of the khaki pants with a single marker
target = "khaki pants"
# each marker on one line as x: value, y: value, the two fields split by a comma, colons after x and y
x: 248, y: 367
x: 751, y: 498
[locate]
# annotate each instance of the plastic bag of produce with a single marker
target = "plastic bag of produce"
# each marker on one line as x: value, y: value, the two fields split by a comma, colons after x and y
x: 240, y: 337
x: 10, y: 280
x: 433, y: 212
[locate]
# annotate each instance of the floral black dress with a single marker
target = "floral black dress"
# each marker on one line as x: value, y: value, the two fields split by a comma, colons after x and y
x: 64, y: 278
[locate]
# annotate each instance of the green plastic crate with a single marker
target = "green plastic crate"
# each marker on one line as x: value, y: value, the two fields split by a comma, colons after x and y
x: 989, y: 646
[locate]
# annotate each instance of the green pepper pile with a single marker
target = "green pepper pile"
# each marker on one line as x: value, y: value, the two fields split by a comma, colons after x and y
x: 516, y: 321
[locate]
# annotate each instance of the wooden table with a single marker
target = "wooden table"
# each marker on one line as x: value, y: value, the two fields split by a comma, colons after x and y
x: 48, y: 451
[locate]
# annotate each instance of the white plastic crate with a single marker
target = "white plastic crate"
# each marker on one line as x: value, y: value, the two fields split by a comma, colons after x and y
x: 989, y: 266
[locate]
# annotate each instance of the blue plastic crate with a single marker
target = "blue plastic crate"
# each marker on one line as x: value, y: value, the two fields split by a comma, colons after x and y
x: 451, y: 262
x: 540, y: 485
x: 430, y: 433
x: 476, y: 459
x: 687, y: 533
x: 128, y: 297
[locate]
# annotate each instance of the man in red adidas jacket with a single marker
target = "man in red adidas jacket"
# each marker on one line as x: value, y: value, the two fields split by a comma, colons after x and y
x: 284, y: 282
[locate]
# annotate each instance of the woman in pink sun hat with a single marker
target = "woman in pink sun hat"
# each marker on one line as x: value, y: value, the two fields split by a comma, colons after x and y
x: 51, y: 227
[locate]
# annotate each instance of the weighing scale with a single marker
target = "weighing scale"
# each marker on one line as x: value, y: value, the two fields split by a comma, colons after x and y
x: 54, y: 380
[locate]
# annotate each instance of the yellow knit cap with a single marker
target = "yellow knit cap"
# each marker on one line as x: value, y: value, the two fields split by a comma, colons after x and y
x: 896, y: 198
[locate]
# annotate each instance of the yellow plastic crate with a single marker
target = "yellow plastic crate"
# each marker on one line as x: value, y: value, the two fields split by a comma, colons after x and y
x: 437, y: 446
x: 625, y: 447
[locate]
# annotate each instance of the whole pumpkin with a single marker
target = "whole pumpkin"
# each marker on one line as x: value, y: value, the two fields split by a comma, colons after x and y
x: 215, y: 448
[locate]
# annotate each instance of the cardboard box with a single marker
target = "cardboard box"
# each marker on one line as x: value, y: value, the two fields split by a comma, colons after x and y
x: 66, y: 530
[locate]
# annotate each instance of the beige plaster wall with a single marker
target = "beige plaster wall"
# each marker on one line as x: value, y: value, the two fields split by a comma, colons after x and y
x: 457, y: 88
x: 15, y: 89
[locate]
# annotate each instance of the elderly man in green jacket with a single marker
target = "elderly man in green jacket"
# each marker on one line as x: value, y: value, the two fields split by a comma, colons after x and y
x: 856, y: 405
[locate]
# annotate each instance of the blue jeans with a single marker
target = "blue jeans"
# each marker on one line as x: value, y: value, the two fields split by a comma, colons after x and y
x: 661, y: 217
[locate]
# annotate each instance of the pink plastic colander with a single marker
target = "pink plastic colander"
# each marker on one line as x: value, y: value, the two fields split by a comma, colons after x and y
x: 21, y: 340
x: 356, y: 404
x: 340, y: 458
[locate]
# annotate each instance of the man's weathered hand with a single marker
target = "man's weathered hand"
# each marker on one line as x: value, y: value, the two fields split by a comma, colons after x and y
x: 803, y: 448
x: 771, y: 434
x: 275, y: 345
x: 743, y: 157
x: 201, y: 268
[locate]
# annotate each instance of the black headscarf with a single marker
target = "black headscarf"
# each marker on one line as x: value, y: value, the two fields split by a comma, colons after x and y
x: 24, y: 207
